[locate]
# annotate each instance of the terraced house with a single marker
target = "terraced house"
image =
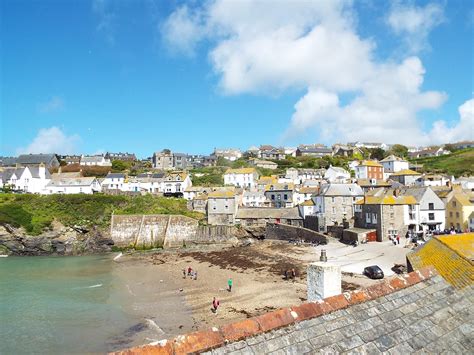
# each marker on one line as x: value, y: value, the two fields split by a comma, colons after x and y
x: 458, y: 209
x: 243, y: 177
x: 369, y: 169
x: 280, y: 195
x: 388, y: 212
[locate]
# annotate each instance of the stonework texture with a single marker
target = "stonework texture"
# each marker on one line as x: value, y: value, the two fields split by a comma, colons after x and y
x: 429, y: 317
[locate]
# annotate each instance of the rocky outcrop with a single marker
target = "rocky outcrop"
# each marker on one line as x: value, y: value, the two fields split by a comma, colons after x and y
x: 59, y: 240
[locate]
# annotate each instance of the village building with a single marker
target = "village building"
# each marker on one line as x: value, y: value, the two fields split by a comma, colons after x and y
x: 313, y: 150
x: 253, y: 151
x: 429, y: 152
x: 463, y: 145
x: 434, y: 180
x: 372, y: 184
x: 388, y: 212
x: 7, y: 161
x: 120, y: 156
x: 264, y: 181
x: 191, y: 192
x: 458, y: 210
x: 230, y: 154
x: 334, y: 204
x: 340, y: 150
x: 265, y: 164
x: 406, y: 177
x: 30, y: 179
x: 94, y: 160
x: 200, y: 161
x: 49, y: 160
x: 280, y: 195
x: 307, y: 208
x: 467, y: 183
x: 168, y: 160
x: 71, y: 159
x: 221, y: 207
x: 299, y: 176
x: 393, y: 164
x: 369, y: 169
x: 335, y: 174
x: 241, y: 177
x: 114, y: 181
x: 254, y: 198
x: 175, y: 183
x: 432, y: 211
x: 290, y: 151
x: 75, y: 185
x: 259, y: 217
x: 368, y: 145
x: 271, y: 153
x: 304, y: 193
x: 198, y: 203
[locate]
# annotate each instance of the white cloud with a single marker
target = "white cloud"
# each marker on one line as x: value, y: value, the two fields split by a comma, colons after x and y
x: 262, y: 47
x: 54, y: 104
x: 52, y: 140
x: 183, y: 30
x: 415, y: 23
x: 106, y: 19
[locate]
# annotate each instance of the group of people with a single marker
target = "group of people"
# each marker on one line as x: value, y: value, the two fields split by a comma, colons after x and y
x: 193, y: 274
x: 395, y: 239
x: 215, y: 302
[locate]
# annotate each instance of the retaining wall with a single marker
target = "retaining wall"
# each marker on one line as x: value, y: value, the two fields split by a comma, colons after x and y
x: 151, y: 231
x: 287, y: 232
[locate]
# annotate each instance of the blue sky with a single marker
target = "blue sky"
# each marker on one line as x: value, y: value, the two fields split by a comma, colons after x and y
x: 140, y: 76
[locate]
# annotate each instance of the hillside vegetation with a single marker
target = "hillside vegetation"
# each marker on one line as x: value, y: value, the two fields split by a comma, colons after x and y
x: 459, y: 163
x: 36, y: 213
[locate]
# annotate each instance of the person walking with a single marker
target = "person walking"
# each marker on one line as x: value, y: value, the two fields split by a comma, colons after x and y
x: 189, y: 270
x: 215, y: 304
x: 184, y: 273
x: 229, y: 284
x: 398, y: 239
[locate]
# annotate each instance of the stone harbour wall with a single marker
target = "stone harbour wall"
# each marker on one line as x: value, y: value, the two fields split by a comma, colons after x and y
x: 153, y: 231
x: 287, y: 232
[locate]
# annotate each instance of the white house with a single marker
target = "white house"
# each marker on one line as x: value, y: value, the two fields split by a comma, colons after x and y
x: 175, y: 183
x: 254, y: 199
x: 433, y: 180
x: 467, y: 183
x: 307, y: 208
x: 77, y: 185
x: 337, y: 174
x: 114, y: 181
x: 291, y: 151
x: 393, y: 164
x: 304, y: 193
x: 95, y: 160
x: 243, y: 177
x: 432, y: 212
x: 230, y: 154
x: 30, y: 179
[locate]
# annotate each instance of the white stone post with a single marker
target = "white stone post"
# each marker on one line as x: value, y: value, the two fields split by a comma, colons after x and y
x: 324, y: 280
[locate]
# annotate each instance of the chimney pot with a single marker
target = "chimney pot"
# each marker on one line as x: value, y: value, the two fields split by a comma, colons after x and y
x: 323, y: 256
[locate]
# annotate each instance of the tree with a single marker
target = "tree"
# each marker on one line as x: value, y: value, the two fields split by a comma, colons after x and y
x: 399, y: 150
x: 377, y: 153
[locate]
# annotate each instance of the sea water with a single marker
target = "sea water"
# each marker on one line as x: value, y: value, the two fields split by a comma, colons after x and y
x: 66, y: 305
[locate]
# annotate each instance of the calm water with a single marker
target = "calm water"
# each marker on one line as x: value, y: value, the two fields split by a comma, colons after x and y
x: 64, y: 305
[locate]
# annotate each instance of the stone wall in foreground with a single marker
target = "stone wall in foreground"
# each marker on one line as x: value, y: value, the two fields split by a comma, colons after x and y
x: 153, y: 231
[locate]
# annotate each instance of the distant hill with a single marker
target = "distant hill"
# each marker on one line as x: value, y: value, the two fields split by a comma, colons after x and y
x: 459, y: 163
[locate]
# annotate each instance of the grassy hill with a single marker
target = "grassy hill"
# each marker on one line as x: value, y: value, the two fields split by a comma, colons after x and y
x: 36, y: 213
x: 459, y: 163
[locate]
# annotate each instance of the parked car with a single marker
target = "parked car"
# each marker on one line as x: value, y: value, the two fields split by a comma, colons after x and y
x: 373, y: 272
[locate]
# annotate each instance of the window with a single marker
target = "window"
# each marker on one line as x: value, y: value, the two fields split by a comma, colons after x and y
x: 334, y: 210
x: 367, y: 218
x: 457, y: 214
x: 451, y: 214
x: 431, y: 216
x: 454, y: 203
x: 431, y: 206
x: 273, y: 197
x: 285, y: 197
x: 374, y: 218
x: 333, y: 199
x: 392, y: 215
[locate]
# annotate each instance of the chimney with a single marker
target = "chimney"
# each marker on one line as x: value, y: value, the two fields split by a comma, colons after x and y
x: 323, y: 279
x: 60, y: 170
x: 42, y: 171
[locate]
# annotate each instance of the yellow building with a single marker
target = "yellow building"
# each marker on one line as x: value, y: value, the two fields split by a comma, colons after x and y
x: 458, y: 209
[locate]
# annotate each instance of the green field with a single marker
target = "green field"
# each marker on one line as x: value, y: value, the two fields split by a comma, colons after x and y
x: 460, y: 163
x: 35, y: 213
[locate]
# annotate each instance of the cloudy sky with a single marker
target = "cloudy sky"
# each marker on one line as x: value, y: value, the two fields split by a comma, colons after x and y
x: 140, y: 76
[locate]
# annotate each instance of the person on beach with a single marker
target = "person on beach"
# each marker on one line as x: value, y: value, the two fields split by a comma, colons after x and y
x: 189, y: 270
x: 398, y: 239
x: 184, y: 273
x: 286, y: 274
x: 229, y: 284
x: 195, y: 275
x: 215, y: 304
x: 293, y: 273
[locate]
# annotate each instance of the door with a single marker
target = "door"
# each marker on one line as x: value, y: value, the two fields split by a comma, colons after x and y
x: 372, y: 236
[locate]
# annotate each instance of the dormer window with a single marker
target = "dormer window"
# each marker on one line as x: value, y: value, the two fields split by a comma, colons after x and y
x: 271, y: 187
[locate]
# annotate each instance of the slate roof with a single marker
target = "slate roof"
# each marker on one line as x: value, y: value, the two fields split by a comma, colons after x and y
x: 115, y: 176
x: 392, y: 158
x: 78, y: 181
x: 35, y: 158
x: 7, y: 161
x: 370, y: 163
x: 341, y: 190
x: 451, y: 255
x: 417, y: 312
x: 92, y: 159
x: 241, y: 171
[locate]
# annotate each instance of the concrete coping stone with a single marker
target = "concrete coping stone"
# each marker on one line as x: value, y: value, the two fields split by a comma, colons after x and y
x: 205, y: 340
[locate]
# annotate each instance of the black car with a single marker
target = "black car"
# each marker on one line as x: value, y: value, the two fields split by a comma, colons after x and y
x: 374, y: 272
